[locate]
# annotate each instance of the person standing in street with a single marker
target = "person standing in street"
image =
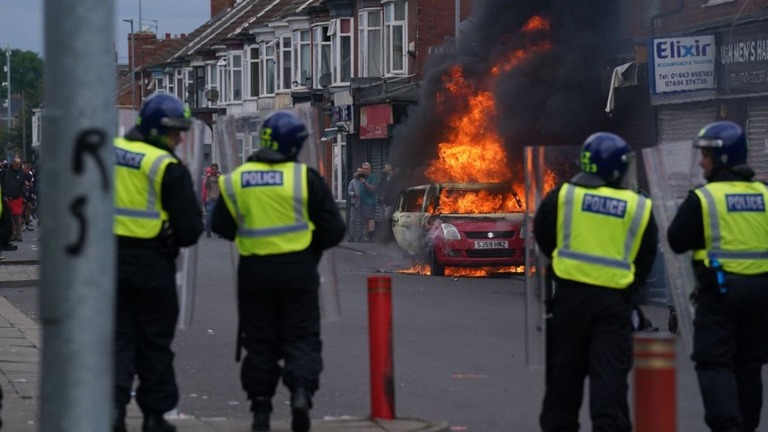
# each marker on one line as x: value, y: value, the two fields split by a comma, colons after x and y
x: 211, y: 194
x: 602, y: 241
x: 12, y: 183
x: 281, y: 215
x: 725, y: 224
x: 156, y: 213
x: 355, y: 217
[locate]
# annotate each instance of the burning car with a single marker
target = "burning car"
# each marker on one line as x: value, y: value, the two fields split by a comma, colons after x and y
x: 461, y: 224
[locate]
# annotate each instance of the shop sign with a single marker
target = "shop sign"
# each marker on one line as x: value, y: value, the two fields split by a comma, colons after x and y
x: 744, y: 59
x: 681, y: 64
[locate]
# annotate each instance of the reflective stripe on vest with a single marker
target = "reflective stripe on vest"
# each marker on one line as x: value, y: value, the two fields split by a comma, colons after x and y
x: 260, y: 232
x: 139, y: 170
x: 603, y: 254
x: 735, y: 226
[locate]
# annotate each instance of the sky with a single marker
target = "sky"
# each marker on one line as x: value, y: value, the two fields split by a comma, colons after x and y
x: 21, y: 21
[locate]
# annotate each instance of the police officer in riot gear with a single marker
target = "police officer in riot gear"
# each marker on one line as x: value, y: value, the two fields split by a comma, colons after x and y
x: 725, y: 224
x: 602, y: 241
x: 281, y: 215
x: 151, y: 224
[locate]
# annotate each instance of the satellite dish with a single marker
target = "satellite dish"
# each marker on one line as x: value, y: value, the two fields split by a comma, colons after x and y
x: 325, y: 79
x: 212, y: 95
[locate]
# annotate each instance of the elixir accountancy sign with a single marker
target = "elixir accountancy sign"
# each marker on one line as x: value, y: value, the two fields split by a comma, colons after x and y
x: 682, y: 64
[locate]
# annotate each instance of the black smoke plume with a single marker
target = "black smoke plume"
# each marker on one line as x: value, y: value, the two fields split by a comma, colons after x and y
x: 557, y: 97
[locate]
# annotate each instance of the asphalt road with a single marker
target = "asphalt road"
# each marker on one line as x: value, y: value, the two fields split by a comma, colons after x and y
x: 459, y: 348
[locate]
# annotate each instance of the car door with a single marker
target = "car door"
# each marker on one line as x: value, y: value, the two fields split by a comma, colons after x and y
x: 408, y: 217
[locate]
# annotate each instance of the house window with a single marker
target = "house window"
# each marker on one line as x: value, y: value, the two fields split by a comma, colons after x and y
x: 255, y: 71
x: 224, y: 79
x: 370, y: 58
x: 302, y: 57
x: 237, y: 77
x: 321, y: 44
x: 341, y: 35
x: 169, y: 88
x: 158, y: 85
x: 179, y: 83
x: 285, y: 62
x: 199, y: 87
x: 212, y: 83
x: 395, y: 37
x: 270, y: 74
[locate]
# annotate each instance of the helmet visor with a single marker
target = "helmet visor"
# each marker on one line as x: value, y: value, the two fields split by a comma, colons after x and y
x: 180, y: 124
x: 707, y: 143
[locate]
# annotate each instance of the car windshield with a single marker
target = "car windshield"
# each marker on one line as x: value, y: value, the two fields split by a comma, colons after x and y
x: 478, y: 200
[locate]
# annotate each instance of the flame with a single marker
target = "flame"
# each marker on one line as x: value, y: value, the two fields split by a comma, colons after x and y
x: 423, y: 269
x: 473, y: 150
x: 477, y: 202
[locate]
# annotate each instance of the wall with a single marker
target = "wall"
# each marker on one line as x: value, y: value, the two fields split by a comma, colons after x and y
x: 432, y: 23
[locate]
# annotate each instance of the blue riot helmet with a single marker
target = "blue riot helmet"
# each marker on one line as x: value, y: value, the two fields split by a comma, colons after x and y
x: 283, y: 132
x: 726, y: 142
x: 162, y: 114
x: 607, y: 156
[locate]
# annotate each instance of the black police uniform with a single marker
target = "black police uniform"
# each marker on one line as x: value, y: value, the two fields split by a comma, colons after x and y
x: 147, y: 303
x: 730, y: 341
x: 589, y: 333
x: 278, y: 301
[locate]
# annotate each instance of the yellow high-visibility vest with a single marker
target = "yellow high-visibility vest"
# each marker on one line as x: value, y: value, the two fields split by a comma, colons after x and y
x: 270, y: 204
x: 599, y: 232
x: 139, y: 171
x: 735, y: 226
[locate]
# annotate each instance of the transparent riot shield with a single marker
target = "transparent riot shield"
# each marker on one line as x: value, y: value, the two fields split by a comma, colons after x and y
x: 545, y: 168
x: 190, y: 151
x: 313, y: 154
x: 668, y: 168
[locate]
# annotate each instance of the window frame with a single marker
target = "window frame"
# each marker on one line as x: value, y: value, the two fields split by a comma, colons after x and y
x: 390, y: 23
x: 299, y: 66
x: 268, y: 61
x: 254, y: 71
x: 367, y: 33
x: 212, y: 82
x: 338, y: 40
x: 319, y: 44
x: 284, y: 67
x: 236, y: 76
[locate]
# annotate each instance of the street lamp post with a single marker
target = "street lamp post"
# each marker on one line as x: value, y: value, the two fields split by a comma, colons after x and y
x: 133, y: 59
x: 8, y: 86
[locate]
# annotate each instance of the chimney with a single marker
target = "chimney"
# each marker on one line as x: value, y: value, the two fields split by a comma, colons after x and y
x: 218, y: 6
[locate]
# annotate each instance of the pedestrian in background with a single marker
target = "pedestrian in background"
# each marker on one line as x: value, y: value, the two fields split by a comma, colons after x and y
x: 12, y: 183
x: 151, y: 224
x: 602, y: 241
x: 368, y: 200
x: 725, y: 224
x: 388, y: 191
x: 211, y: 195
x: 281, y: 215
x: 355, y: 217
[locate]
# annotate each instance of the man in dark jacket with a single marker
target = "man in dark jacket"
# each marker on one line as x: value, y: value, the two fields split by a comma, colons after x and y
x: 725, y: 224
x: 282, y: 215
x: 602, y: 239
x: 151, y: 224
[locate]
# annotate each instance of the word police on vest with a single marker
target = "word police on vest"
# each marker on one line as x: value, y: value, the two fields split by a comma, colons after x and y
x: 745, y: 202
x: 128, y: 159
x: 261, y: 178
x: 604, y: 205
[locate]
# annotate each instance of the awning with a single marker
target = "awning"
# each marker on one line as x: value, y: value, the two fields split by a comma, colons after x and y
x: 375, y: 121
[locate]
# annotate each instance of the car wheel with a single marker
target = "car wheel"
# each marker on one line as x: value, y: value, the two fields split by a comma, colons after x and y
x: 435, y: 268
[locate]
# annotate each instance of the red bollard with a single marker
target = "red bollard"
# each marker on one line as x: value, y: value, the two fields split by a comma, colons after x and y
x: 380, y: 346
x: 655, y: 383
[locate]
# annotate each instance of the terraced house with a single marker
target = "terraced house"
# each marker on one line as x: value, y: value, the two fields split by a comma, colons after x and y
x: 356, y: 63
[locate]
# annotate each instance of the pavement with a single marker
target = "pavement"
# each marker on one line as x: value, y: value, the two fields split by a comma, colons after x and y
x: 20, y: 359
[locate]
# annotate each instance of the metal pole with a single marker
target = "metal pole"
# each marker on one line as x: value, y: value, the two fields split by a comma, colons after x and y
x: 133, y: 62
x: 8, y: 86
x: 380, y: 347
x: 141, y: 22
x: 78, y: 258
x: 458, y: 17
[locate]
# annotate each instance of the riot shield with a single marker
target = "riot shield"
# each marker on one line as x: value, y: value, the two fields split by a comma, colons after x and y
x: 545, y: 168
x: 669, y: 178
x: 313, y: 154
x: 237, y: 137
x: 190, y: 152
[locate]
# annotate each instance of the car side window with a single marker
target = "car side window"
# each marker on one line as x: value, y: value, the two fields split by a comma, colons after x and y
x: 412, y: 201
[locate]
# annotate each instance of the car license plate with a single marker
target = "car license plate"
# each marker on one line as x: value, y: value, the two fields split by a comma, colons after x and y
x: 491, y: 244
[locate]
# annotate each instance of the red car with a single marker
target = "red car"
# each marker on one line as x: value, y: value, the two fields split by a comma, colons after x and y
x: 461, y: 224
